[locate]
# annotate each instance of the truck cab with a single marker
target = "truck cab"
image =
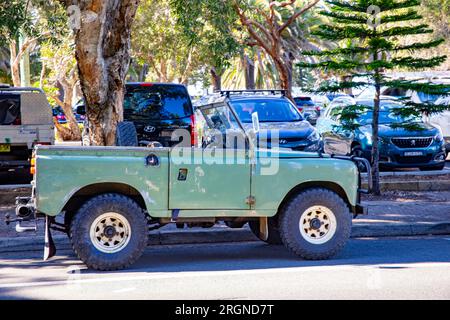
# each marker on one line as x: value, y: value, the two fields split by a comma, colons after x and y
x: 111, y: 196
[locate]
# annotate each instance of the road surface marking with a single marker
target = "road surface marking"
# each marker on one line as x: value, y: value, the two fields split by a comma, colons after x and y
x: 197, y: 274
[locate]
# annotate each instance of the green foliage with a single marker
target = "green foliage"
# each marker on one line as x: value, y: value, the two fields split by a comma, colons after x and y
x: 159, y: 42
x: 375, y: 48
x: 13, y: 19
x: 210, y: 25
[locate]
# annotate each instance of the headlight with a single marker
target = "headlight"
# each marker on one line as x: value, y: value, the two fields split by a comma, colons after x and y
x: 314, y: 136
x: 314, y: 139
x: 439, y: 137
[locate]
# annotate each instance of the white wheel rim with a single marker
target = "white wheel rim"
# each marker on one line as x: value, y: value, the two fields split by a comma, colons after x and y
x: 317, y: 224
x: 110, y: 232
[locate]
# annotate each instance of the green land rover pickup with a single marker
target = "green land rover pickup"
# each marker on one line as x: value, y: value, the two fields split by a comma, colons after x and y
x: 110, y: 197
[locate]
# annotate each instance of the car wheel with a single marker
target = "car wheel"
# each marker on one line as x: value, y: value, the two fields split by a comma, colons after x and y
x: 357, y: 152
x: 272, y: 226
x: 433, y: 168
x: 109, y: 232
x: 315, y: 224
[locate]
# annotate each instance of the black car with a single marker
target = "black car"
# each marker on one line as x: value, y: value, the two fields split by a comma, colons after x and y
x: 157, y: 110
x: 275, y: 112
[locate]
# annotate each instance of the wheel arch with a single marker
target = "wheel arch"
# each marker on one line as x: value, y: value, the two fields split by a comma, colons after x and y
x: 332, y: 186
x: 85, y: 193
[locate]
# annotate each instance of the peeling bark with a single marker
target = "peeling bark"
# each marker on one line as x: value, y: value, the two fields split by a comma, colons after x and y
x: 102, y: 32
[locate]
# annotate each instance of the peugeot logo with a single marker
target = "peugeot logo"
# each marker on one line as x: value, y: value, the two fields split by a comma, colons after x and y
x: 283, y: 141
x: 413, y: 143
x: 149, y: 129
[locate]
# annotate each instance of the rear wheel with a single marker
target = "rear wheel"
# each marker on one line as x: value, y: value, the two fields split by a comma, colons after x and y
x: 109, y: 232
x: 315, y: 224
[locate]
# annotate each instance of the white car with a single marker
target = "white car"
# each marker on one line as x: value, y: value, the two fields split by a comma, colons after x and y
x: 443, y: 121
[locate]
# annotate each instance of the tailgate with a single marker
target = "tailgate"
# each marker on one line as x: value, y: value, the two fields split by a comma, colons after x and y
x: 26, y: 134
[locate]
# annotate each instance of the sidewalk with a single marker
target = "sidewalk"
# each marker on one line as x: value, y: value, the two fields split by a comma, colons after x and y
x: 398, y: 214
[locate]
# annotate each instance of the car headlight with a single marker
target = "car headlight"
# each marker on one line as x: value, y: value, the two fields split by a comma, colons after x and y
x: 439, y: 137
x: 314, y: 139
x: 314, y: 136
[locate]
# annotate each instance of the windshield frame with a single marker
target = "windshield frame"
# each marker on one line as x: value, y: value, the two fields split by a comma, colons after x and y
x: 289, y: 102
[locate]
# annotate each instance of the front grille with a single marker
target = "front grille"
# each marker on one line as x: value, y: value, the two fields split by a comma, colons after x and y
x: 413, y: 160
x: 405, y: 143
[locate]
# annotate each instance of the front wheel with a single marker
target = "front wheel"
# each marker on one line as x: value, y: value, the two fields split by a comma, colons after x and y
x: 315, y: 224
x: 109, y: 232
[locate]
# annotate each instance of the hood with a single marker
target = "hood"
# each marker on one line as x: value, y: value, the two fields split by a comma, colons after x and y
x: 386, y: 131
x: 294, y: 129
x: 286, y: 154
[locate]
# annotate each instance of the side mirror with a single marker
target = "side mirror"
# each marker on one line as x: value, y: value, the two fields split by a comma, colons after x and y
x: 81, y: 110
x: 255, y: 122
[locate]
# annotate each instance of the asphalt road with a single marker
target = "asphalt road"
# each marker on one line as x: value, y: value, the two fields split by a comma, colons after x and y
x: 404, y: 268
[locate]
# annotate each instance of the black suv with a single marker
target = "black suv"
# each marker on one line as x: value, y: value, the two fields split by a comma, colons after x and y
x: 274, y: 112
x: 156, y: 110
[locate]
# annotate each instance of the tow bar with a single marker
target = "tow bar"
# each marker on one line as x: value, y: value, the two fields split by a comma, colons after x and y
x: 26, y: 212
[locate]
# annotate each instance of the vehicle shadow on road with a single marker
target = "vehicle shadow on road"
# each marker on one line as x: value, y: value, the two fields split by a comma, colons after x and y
x: 256, y: 255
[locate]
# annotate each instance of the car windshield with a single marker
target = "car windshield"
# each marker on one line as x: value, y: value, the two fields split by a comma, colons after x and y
x: 157, y: 102
x: 304, y: 101
x: 270, y: 110
x: 386, y: 115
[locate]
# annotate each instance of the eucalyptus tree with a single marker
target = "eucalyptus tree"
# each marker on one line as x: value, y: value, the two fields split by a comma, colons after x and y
x: 268, y: 24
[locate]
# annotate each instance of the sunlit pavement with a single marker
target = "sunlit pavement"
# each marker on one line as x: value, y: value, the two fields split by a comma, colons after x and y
x: 411, y: 268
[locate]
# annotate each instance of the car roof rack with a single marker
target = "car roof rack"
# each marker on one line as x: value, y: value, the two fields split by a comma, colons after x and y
x: 21, y: 89
x: 227, y: 93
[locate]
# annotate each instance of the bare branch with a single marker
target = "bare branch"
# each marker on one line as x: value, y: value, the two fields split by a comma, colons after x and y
x: 296, y: 15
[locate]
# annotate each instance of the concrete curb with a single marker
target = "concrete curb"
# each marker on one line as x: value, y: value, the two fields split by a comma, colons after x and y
x: 424, y: 185
x: 235, y: 235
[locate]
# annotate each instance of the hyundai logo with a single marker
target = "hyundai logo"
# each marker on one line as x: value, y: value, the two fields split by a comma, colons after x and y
x: 283, y: 141
x: 149, y: 129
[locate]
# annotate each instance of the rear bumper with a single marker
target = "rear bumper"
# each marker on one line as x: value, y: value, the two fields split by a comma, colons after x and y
x: 14, y: 164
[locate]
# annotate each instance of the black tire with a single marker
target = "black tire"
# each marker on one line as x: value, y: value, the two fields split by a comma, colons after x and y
x: 85, y: 248
x: 289, y: 224
x: 272, y: 226
x: 433, y: 168
x: 126, y: 134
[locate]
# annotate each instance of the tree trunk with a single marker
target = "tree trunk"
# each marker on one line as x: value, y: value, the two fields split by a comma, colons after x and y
x: 249, y: 73
x: 15, y: 69
x: 375, y: 149
x: 102, y: 50
x: 216, y: 79
x: 143, y: 73
x: 285, y: 76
